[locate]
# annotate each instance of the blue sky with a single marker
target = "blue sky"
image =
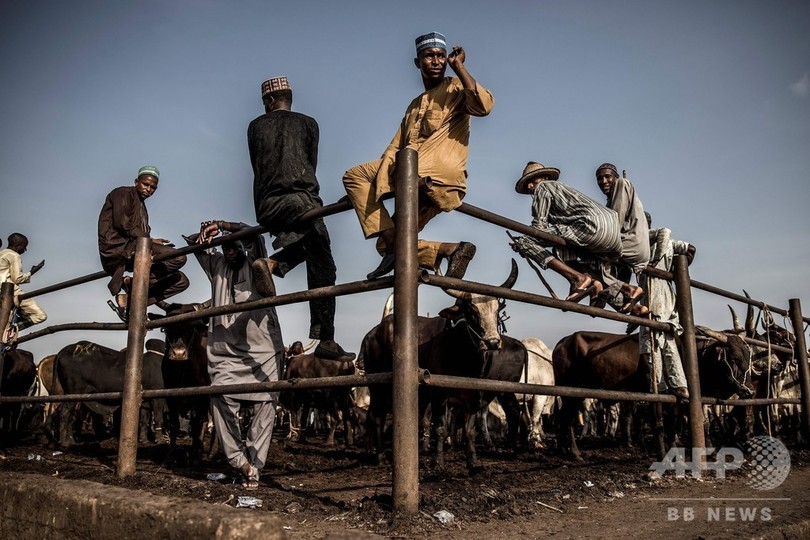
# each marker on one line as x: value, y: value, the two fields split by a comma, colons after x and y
x: 705, y: 104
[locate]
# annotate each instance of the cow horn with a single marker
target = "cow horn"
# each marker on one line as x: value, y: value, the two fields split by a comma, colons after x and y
x: 737, y: 326
x: 750, y: 325
x: 310, y: 345
x: 389, y: 306
x: 719, y: 336
x: 461, y: 295
x: 513, y: 274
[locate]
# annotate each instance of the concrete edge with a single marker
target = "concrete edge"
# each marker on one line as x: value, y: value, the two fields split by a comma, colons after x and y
x: 33, y: 506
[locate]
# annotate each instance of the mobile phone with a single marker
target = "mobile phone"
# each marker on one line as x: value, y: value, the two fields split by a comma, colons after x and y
x: 453, y: 53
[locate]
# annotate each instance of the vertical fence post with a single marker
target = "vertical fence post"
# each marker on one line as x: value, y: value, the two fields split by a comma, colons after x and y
x: 131, y: 404
x: 6, y: 303
x: 683, y: 294
x: 801, y: 358
x: 405, y: 479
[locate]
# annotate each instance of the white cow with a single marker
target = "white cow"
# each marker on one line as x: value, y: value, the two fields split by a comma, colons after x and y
x: 540, y: 371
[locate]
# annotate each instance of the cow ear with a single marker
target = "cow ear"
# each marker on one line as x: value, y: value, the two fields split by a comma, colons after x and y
x: 451, y: 313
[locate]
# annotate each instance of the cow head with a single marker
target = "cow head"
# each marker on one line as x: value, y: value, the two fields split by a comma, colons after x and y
x: 482, y: 314
x: 733, y: 358
x: 182, y: 336
x: 765, y: 360
x: 298, y: 348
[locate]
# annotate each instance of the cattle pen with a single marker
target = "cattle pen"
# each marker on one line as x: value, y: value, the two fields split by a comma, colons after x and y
x: 406, y: 375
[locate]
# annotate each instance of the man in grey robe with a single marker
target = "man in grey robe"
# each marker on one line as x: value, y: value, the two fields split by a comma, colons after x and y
x: 591, y: 230
x: 622, y: 197
x: 244, y: 347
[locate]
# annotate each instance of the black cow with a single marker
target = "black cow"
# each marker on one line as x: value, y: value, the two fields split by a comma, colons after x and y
x: 185, y: 364
x: 612, y: 362
x: 464, y: 340
x: 86, y: 367
x: 766, y: 366
x: 18, y: 376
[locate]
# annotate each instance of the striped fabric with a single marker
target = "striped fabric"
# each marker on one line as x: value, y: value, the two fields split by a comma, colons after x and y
x: 430, y: 41
x: 562, y: 210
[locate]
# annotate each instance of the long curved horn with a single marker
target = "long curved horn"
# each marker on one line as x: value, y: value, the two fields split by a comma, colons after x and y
x: 719, y: 336
x: 737, y: 326
x: 389, y: 306
x: 513, y: 274
x: 509, y: 283
x: 310, y: 345
x: 750, y: 325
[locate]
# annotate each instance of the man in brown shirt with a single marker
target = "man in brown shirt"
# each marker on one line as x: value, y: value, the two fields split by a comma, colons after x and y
x: 437, y: 125
x: 123, y: 219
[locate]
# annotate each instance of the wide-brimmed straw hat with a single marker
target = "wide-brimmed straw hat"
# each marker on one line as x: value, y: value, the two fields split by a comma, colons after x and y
x: 533, y: 170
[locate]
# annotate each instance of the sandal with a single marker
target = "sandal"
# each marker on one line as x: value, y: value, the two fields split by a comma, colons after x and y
x: 122, y: 312
x: 630, y: 306
x: 251, y: 474
x: 592, y: 288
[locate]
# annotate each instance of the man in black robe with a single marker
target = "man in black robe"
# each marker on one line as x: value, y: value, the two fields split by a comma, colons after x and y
x: 124, y: 219
x: 283, y: 149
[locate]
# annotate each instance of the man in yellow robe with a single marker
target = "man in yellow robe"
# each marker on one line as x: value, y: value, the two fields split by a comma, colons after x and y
x: 436, y: 125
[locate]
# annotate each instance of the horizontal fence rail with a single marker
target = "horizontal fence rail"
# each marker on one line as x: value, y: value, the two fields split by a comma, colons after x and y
x: 407, y: 492
x: 425, y: 377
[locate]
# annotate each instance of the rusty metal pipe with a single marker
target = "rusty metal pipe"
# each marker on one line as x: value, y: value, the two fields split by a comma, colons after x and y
x: 530, y: 298
x: 552, y: 239
x: 517, y: 226
x: 405, y: 388
x: 131, y: 402
x: 287, y: 385
x: 328, y: 210
x: 801, y: 358
x: 53, y: 329
x: 6, y: 303
x: 280, y: 300
x: 443, y: 381
x: 489, y: 385
x: 683, y: 301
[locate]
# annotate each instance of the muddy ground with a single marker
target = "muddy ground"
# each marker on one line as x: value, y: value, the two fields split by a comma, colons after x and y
x: 320, y: 491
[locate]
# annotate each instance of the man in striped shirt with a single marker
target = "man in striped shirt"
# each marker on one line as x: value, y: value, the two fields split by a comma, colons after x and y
x: 590, y: 229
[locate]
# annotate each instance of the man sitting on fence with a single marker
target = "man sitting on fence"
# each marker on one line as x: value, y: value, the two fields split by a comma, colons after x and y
x: 436, y: 125
x: 11, y: 270
x: 590, y: 229
x: 124, y: 219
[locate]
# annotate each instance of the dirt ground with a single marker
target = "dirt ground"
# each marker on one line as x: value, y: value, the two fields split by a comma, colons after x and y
x: 331, y: 492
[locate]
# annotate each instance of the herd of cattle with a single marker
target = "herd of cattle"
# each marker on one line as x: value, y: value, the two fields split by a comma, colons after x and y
x: 466, y: 339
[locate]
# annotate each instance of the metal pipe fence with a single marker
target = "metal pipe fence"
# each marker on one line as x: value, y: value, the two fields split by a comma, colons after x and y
x: 406, y: 377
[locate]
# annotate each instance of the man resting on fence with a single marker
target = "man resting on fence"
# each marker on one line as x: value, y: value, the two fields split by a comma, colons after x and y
x: 590, y: 229
x: 243, y: 347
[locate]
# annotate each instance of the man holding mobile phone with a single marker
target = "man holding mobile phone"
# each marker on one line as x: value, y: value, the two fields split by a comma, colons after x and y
x: 437, y: 125
x: 11, y: 271
x: 124, y: 219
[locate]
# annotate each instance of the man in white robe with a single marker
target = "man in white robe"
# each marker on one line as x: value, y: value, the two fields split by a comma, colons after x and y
x: 244, y: 347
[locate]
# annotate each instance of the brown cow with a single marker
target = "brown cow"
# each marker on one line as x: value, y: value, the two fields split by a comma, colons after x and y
x: 612, y: 362
x: 334, y: 401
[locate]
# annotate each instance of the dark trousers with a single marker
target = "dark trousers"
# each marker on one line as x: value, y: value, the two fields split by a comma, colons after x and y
x: 165, y: 277
x: 315, y: 249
